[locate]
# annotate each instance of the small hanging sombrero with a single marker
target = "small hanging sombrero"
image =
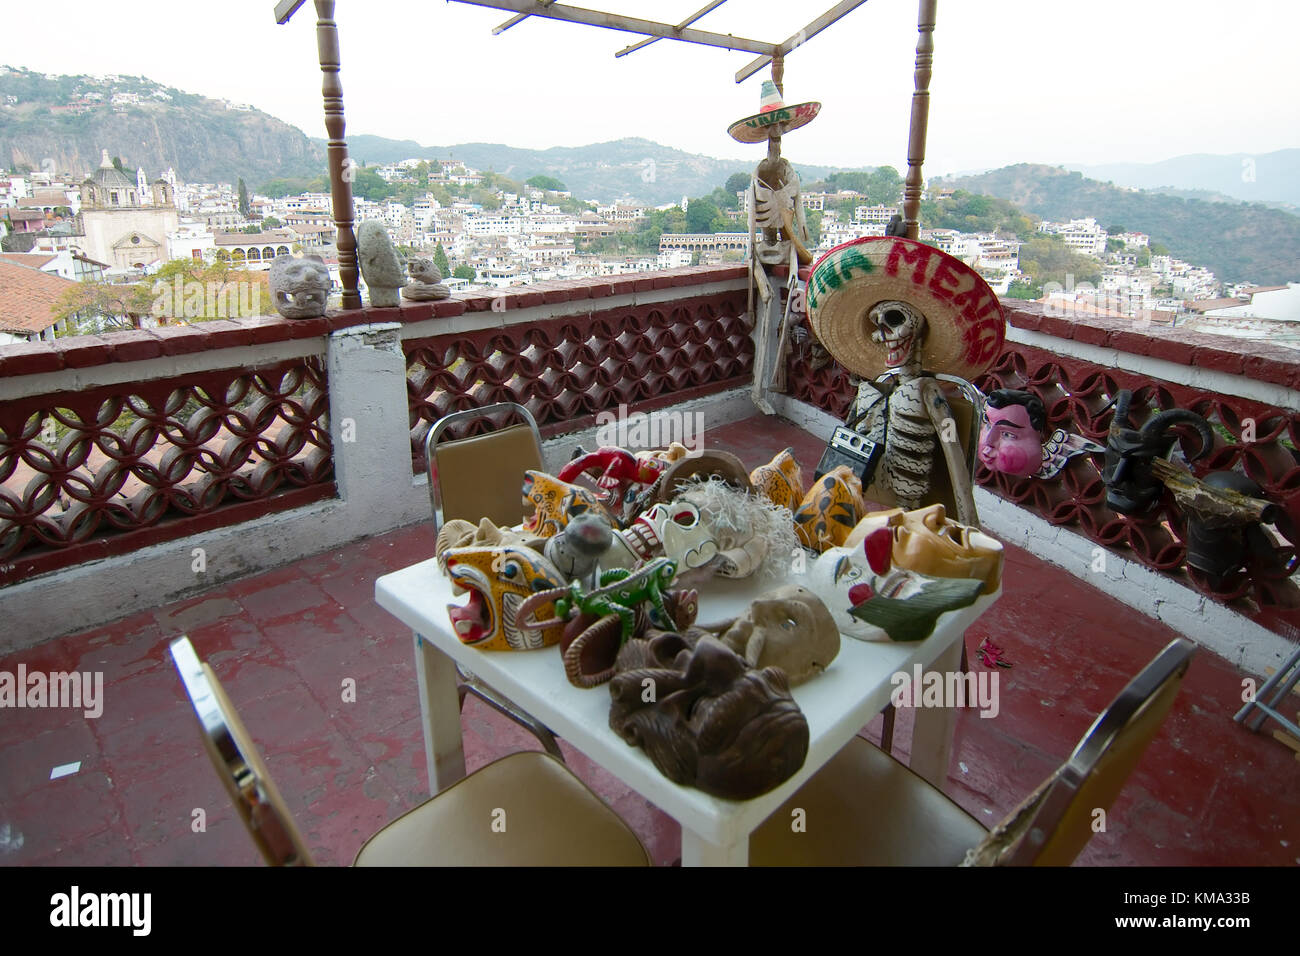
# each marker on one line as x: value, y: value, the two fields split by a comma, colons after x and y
x: 773, y: 117
x: 965, y: 326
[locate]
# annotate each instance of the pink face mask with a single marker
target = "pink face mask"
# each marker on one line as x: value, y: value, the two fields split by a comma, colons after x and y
x: 1009, y: 443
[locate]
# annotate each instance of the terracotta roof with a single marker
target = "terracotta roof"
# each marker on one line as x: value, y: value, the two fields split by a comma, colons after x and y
x: 1205, y: 305
x: 17, y: 215
x: 1251, y: 290
x: 27, y: 297
x: 32, y: 259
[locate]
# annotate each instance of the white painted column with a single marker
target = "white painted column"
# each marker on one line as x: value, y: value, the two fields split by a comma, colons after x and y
x: 370, y: 428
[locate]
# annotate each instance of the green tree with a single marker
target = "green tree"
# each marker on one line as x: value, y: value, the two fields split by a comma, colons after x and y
x: 737, y: 182
x: 440, y: 260
x: 1048, y: 259
x: 243, y: 199
x: 463, y: 272
x: 1024, y: 290
x: 270, y: 222
x: 1157, y: 249
x: 1114, y: 245
x: 700, y: 215
x: 1115, y: 230
x: 547, y: 183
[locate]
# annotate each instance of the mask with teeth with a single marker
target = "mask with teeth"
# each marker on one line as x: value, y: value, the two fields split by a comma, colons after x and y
x: 900, y: 328
x: 497, y: 581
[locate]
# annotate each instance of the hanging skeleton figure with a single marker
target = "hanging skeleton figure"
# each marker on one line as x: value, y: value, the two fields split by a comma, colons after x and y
x: 898, y: 313
x: 778, y: 233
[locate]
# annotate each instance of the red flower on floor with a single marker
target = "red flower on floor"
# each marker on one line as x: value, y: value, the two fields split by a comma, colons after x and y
x: 990, y: 655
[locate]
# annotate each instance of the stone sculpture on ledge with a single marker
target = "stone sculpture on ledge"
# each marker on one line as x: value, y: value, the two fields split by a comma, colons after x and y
x: 381, y: 267
x: 300, y: 288
x: 426, y: 283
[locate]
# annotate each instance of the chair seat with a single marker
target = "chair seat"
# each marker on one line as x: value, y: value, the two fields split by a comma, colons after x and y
x: 922, y: 827
x: 526, y: 809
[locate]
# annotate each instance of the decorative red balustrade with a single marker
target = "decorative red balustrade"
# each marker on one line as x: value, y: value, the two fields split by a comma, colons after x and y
x: 566, y: 370
x: 108, y: 470
x: 1078, y: 395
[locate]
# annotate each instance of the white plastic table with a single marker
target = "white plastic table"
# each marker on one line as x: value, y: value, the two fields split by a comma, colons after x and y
x: 715, y: 832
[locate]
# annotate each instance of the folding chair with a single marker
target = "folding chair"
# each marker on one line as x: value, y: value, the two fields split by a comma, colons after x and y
x: 482, y: 476
x: 525, y: 809
x: 864, y: 808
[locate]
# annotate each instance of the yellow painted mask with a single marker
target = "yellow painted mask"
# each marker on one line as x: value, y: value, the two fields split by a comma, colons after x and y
x: 555, y: 501
x: 929, y: 542
x: 497, y: 581
x: 830, y: 510
x: 780, y: 480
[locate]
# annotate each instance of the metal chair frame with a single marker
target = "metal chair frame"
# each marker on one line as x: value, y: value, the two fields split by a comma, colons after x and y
x: 468, y: 682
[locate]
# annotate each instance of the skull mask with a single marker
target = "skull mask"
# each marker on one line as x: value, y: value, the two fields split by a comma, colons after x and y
x: 685, y: 537
x: 900, y: 328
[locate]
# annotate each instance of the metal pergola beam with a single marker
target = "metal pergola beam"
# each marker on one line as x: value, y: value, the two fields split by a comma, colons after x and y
x: 618, y: 21
x: 707, y: 8
x: 800, y: 38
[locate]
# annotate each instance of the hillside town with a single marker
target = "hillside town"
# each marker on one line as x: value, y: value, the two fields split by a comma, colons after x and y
x: 109, y: 226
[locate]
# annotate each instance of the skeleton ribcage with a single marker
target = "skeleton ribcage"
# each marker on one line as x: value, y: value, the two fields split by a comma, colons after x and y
x: 909, y: 449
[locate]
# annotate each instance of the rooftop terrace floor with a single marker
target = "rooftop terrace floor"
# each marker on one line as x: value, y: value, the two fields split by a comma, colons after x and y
x: 1207, y: 791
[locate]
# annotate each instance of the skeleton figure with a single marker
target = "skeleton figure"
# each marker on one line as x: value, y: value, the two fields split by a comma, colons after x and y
x: 910, y: 422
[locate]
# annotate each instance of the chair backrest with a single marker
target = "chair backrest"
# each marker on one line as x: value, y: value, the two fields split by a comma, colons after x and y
x: 1053, y: 826
x: 238, y: 764
x: 482, y: 476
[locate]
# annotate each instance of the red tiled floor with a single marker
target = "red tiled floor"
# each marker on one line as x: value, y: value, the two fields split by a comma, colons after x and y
x: 284, y: 643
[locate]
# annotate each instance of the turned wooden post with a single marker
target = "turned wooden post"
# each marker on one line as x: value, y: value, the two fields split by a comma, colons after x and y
x: 920, y: 118
x: 327, y: 43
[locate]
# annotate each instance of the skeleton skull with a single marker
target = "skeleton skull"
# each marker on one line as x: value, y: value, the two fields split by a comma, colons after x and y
x: 899, y: 327
x: 791, y: 629
x: 685, y: 536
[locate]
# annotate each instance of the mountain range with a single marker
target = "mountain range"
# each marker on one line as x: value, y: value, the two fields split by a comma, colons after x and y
x: 1193, y: 204
x: 1238, y: 241
x: 1267, y: 177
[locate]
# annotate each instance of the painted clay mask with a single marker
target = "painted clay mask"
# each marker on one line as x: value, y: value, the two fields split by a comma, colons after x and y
x: 791, y: 629
x: 714, y: 723
x: 498, y: 580
x: 554, y: 502
x: 1009, y: 442
x: 926, y: 541
x: 683, y: 534
x: 830, y: 510
x: 875, y: 602
x: 780, y: 480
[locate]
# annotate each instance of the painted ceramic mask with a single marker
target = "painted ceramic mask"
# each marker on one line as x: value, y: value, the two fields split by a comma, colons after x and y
x: 789, y: 628
x: 780, y: 480
x: 497, y: 581
x: 830, y: 510
x: 714, y: 723
x: 928, y: 542
x: 682, y: 533
x: 458, y: 533
x: 846, y: 577
x: 896, y: 604
x: 1009, y: 442
x: 554, y: 502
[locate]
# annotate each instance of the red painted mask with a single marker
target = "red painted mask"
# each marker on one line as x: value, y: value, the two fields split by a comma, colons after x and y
x: 1009, y: 443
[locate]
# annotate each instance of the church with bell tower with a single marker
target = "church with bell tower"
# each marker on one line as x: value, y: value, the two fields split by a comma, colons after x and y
x: 125, y: 223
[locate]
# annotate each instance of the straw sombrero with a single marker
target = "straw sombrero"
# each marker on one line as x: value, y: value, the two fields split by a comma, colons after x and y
x: 965, y: 327
x: 773, y: 117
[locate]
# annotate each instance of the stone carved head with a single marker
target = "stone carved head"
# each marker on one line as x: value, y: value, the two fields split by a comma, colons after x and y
x: 299, y: 287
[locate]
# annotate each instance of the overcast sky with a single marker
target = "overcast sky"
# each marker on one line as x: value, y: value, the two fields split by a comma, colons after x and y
x: 1052, y: 81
